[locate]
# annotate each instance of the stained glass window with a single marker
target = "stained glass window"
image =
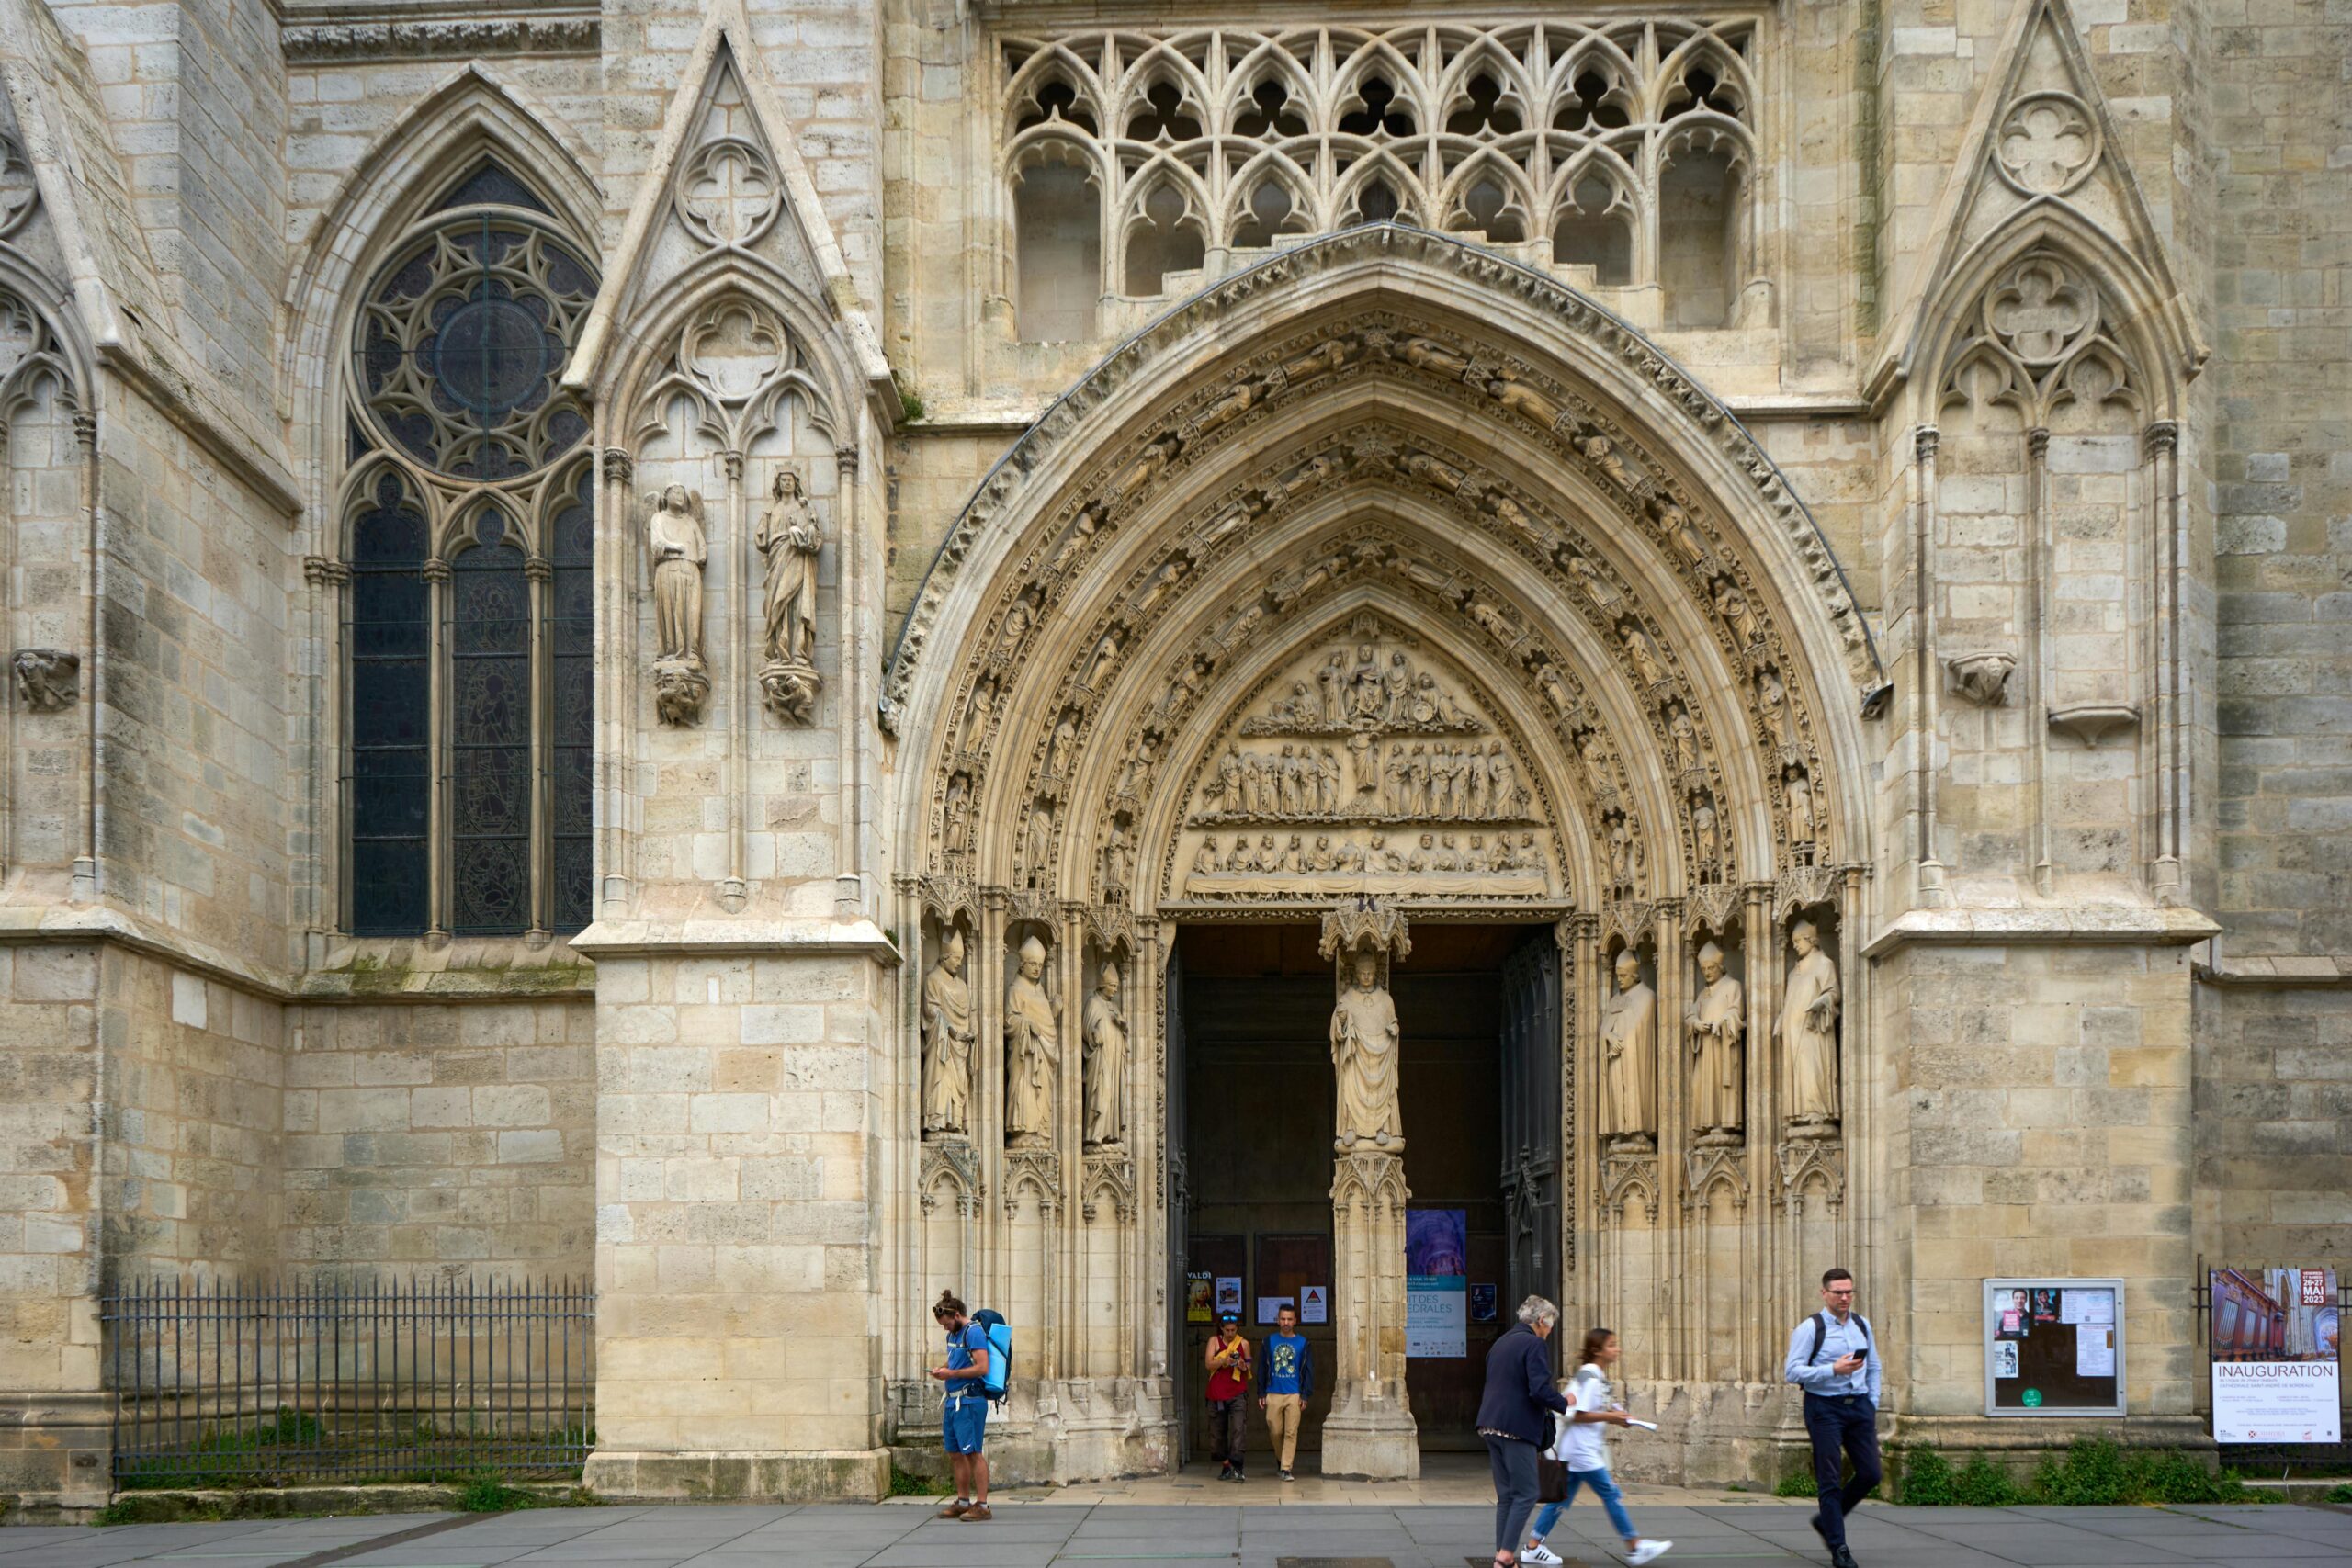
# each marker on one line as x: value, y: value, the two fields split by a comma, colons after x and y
x: 391, y: 764
x: 489, y: 735
x: 472, y: 600
x: 571, y: 631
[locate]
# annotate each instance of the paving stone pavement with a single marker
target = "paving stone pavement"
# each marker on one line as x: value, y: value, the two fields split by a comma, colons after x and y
x: 1046, y: 1535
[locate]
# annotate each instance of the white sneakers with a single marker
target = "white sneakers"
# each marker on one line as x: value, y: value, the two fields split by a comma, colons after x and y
x: 1538, y: 1555
x: 1648, y: 1551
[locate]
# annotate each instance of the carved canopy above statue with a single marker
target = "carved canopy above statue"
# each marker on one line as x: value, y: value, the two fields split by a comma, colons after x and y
x: 1383, y: 568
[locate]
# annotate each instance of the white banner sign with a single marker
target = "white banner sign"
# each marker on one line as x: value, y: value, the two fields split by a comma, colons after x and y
x: 1437, y: 1315
x: 2277, y: 1402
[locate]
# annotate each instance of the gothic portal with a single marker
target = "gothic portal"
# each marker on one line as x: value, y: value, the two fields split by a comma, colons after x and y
x: 731, y: 650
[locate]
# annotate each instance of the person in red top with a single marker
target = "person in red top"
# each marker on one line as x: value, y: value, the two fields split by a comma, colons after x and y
x: 1228, y: 1364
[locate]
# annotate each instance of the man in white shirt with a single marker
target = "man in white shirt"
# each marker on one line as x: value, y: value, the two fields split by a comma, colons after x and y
x: 1833, y: 1359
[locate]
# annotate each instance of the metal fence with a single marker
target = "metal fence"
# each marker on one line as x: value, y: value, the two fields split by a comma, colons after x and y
x: 241, y: 1384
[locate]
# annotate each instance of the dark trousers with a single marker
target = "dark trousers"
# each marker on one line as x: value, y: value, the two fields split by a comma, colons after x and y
x: 1840, y: 1427
x: 1228, y: 1428
x: 1514, y: 1466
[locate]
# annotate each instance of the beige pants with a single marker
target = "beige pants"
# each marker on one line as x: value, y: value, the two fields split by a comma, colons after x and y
x: 1282, y: 1411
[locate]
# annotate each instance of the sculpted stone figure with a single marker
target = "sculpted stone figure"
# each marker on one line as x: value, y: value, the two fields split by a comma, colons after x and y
x: 1718, y: 1035
x: 48, y: 679
x: 789, y: 540
x: 1808, y: 1029
x: 1107, y: 1060
x: 676, y: 540
x: 1032, y: 1051
x: 1363, y: 1057
x: 675, y: 537
x: 1629, y: 1054
x: 947, y: 1036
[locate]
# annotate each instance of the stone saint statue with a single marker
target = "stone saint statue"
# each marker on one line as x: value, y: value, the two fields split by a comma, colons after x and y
x: 1629, y: 1054
x: 1718, y: 1031
x: 1363, y: 1058
x: 1107, y: 1060
x: 1808, y: 1029
x: 789, y: 540
x: 1032, y: 1051
x: 947, y: 1035
x: 675, y: 537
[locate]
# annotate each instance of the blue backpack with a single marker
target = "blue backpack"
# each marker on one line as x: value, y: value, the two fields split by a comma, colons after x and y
x: 1000, y: 1373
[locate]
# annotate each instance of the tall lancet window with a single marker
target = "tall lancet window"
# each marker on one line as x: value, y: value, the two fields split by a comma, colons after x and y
x: 468, y: 616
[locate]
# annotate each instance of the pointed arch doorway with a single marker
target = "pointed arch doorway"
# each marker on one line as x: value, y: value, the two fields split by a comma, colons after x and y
x: 1381, y: 570
x: 1249, y: 1130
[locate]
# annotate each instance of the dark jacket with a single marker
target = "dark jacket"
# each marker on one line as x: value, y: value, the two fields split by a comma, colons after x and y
x: 1519, y: 1388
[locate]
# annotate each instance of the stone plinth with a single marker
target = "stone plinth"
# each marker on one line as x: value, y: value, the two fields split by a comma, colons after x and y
x: 1370, y: 1431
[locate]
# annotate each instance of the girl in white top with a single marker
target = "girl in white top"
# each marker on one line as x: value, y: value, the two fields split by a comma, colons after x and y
x: 1593, y: 1408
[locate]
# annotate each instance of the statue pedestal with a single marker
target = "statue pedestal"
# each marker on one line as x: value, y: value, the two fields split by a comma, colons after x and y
x: 1370, y: 1431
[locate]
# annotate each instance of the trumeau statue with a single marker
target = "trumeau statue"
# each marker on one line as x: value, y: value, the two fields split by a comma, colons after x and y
x: 1718, y: 1031
x: 1032, y: 1052
x: 676, y: 542
x: 1106, y: 1061
x: 788, y: 541
x: 947, y: 1036
x: 1629, y: 1054
x: 1808, y: 1031
x: 1363, y: 1057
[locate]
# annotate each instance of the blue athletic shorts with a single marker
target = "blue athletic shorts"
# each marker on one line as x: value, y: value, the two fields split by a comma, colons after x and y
x: 963, y: 1423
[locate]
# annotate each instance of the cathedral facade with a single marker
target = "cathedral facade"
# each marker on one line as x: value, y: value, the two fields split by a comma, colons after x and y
x: 662, y: 642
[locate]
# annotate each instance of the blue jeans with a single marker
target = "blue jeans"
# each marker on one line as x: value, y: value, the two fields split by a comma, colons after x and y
x: 1603, y: 1488
x: 1842, y: 1427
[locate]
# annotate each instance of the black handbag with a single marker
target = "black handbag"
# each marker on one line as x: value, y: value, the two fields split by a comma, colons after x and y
x: 1551, y: 1480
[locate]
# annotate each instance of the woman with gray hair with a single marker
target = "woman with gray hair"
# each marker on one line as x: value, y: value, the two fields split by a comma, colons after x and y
x: 1513, y: 1419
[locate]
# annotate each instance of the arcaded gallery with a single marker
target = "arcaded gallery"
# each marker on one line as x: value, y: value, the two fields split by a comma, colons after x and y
x: 683, y: 673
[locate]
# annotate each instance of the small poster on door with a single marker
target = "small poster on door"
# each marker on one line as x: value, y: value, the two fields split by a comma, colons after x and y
x: 1481, y: 1304
x: 1229, y: 1294
x: 1315, y: 1303
x: 1200, y: 1298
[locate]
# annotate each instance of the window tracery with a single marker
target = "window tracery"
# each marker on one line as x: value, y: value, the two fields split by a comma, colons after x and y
x: 469, y: 610
x: 1628, y: 145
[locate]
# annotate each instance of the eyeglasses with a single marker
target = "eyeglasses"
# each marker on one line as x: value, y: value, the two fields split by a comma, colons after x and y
x: 1835, y: 1291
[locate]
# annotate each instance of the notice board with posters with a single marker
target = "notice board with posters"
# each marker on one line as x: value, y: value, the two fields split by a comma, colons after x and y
x: 2053, y: 1346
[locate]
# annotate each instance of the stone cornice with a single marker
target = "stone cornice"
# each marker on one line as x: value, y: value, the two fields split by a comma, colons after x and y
x: 772, y: 939
x: 326, y: 35
x: 2116, y: 925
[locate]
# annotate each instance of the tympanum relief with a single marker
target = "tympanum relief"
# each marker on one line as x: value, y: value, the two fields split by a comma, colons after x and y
x: 1369, y: 769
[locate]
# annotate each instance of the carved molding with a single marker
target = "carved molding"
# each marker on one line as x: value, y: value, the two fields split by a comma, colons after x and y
x: 2092, y: 722
x: 439, y: 39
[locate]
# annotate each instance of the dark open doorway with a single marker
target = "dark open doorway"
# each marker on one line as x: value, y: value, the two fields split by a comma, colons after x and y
x: 1251, y: 1105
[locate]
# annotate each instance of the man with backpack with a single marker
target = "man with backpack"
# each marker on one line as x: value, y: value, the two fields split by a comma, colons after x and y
x: 963, y: 1420
x: 1833, y: 1357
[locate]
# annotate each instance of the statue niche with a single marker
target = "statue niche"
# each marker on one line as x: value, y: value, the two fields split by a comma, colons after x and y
x: 948, y: 1038
x: 1629, y: 1058
x: 1369, y: 769
x: 1032, y: 1052
x: 1718, y: 1025
x: 1105, y: 1064
x: 1808, y: 1032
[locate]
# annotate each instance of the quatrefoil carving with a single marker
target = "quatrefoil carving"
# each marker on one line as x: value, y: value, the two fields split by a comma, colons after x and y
x: 2049, y: 143
x: 727, y: 192
x: 2041, y: 310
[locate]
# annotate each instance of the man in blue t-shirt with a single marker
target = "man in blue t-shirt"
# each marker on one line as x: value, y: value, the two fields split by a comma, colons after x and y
x: 963, y: 1418
x: 1290, y: 1383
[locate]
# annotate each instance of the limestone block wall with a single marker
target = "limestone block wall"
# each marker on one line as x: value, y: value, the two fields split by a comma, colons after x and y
x: 2040, y: 1124
x: 199, y: 765
x: 194, y: 1076
x: 197, y: 96
x: 2275, y: 1031
x: 739, y: 1100
x: 441, y: 1136
x: 49, y: 1137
